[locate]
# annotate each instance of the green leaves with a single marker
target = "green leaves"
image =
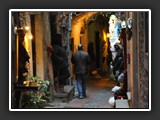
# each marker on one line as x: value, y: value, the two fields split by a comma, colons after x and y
x: 36, y: 99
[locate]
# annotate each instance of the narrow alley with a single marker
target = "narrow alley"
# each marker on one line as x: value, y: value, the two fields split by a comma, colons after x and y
x: 98, y: 94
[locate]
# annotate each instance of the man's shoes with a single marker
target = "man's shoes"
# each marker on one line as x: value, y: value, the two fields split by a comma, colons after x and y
x: 81, y: 97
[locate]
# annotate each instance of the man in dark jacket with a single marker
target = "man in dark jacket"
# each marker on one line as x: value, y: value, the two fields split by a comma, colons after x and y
x: 81, y: 60
x: 60, y: 63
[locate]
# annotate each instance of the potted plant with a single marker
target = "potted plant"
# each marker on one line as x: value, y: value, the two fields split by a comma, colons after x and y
x: 36, y: 99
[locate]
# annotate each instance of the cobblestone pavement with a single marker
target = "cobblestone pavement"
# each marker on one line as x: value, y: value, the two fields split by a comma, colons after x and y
x: 98, y: 94
x: 99, y: 99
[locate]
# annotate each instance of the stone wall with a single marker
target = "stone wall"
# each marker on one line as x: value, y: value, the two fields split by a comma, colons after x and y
x: 143, y: 72
x: 137, y: 78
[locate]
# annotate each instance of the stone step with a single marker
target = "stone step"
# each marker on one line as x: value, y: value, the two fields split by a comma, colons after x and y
x: 68, y: 94
x: 121, y: 103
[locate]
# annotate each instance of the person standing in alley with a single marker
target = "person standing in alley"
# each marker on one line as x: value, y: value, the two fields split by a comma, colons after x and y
x: 81, y: 61
x: 60, y: 62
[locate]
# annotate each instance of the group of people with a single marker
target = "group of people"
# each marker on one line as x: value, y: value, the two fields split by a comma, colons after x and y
x: 81, y: 61
x: 120, y: 73
x: 117, y: 64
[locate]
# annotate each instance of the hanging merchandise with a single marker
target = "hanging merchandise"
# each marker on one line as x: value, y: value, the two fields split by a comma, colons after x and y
x: 118, y: 30
x: 129, y: 23
x: 114, y: 26
x: 123, y: 24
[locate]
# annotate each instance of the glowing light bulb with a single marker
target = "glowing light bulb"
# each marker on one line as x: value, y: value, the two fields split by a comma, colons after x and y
x: 15, y: 30
x: 27, y: 28
x: 30, y: 37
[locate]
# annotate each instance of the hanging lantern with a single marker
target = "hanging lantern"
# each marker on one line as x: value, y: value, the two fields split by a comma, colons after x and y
x: 129, y: 23
x: 123, y: 24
